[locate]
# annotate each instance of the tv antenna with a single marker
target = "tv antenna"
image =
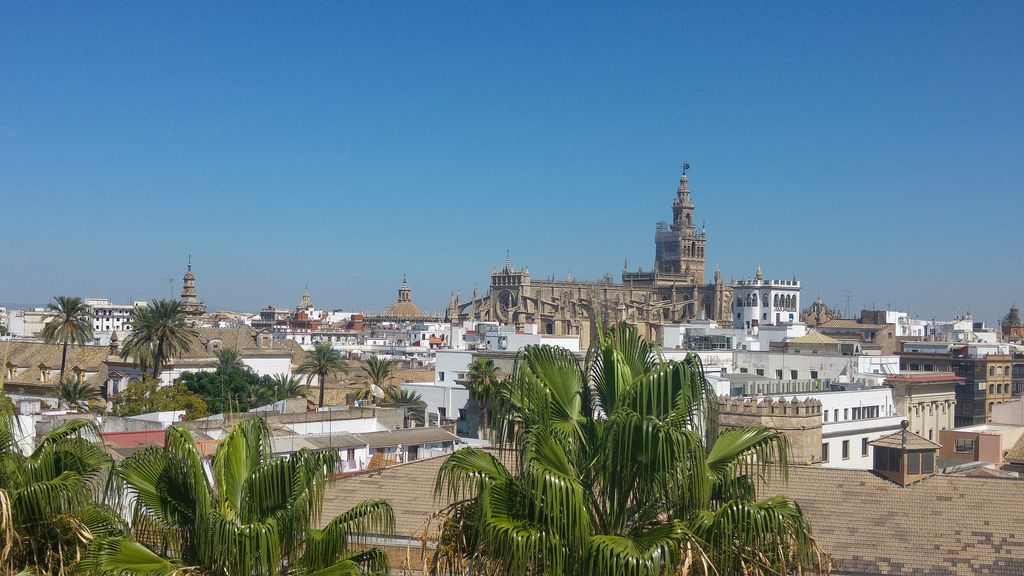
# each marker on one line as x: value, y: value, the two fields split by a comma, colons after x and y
x: 849, y: 294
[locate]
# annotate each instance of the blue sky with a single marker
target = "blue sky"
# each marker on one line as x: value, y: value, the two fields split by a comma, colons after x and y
x: 875, y: 147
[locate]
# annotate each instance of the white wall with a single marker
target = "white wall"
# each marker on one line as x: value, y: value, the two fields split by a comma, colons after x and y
x: 449, y: 364
x: 447, y: 395
x: 840, y: 423
x: 855, y: 433
x: 269, y: 365
x: 353, y: 425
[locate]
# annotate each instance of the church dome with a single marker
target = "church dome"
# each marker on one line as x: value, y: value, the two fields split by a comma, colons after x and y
x: 404, y: 307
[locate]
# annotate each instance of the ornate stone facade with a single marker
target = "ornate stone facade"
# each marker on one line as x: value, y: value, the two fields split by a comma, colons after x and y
x: 673, y: 292
x: 190, y: 305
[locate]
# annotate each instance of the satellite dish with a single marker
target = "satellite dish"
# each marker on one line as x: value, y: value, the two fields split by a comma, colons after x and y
x: 376, y: 391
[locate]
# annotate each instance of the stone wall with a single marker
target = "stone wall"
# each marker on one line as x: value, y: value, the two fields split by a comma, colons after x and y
x: 798, y: 420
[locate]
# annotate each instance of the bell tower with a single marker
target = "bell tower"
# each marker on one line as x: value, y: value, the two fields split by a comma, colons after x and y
x: 679, y: 250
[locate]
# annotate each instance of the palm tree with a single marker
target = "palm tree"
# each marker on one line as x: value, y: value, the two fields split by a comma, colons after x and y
x: 412, y: 402
x: 229, y: 358
x: 74, y: 393
x: 321, y: 362
x: 253, y: 516
x: 159, y: 331
x: 48, y: 498
x: 68, y: 321
x: 481, y: 380
x: 614, y: 475
x: 379, y: 371
x: 284, y: 386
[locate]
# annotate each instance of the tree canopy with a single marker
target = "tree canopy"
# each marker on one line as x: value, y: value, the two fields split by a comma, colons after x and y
x: 231, y: 389
x: 68, y: 321
x: 617, y: 471
x: 148, y: 396
x: 253, y: 514
x: 159, y: 331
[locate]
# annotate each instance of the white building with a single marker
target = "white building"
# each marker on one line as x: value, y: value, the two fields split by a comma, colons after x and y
x: 790, y: 366
x: 108, y: 318
x: 757, y: 302
x: 707, y: 335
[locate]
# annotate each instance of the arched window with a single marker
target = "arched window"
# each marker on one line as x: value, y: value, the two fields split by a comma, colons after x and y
x: 775, y: 301
x: 991, y: 371
x: 764, y: 300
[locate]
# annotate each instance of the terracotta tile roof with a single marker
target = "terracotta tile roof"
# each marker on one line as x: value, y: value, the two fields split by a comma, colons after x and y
x: 407, y: 436
x: 1016, y: 454
x: 924, y: 377
x: 845, y: 323
x: 813, y: 337
x: 943, y: 525
x: 27, y: 357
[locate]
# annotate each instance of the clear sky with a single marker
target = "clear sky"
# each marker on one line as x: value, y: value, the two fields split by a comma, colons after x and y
x: 876, y: 147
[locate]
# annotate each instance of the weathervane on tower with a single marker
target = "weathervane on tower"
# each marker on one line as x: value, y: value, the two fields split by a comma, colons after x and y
x: 685, y: 166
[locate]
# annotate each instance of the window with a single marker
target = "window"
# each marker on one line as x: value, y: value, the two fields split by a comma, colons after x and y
x: 964, y: 445
x: 856, y: 413
x: 792, y: 374
x: 760, y: 371
x: 778, y: 374
x: 863, y: 446
x: 991, y: 371
x: 825, y: 412
x: 914, y: 463
x: 814, y: 374
x: 928, y: 462
x: 929, y: 368
x: 846, y: 449
x: 824, y: 452
x: 440, y: 376
x: 846, y: 413
x: 835, y: 414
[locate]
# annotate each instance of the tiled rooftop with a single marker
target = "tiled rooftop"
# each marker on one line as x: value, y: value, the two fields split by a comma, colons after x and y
x: 945, y: 525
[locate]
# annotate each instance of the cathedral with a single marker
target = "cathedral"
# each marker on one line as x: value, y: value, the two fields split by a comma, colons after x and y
x: 674, y: 291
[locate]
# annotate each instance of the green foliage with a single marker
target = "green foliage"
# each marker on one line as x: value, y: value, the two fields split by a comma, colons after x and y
x: 379, y: 370
x: 74, y: 393
x: 322, y: 361
x: 148, y: 396
x: 159, y: 331
x: 284, y: 386
x: 481, y: 380
x: 415, y: 407
x: 230, y: 389
x: 229, y: 358
x: 255, y: 517
x: 614, y: 475
x: 68, y: 321
x: 48, y: 499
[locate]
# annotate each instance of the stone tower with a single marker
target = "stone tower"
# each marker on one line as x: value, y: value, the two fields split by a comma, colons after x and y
x: 679, y: 249
x: 798, y: 420
x: 190, y: 305
x: 306, y: 302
